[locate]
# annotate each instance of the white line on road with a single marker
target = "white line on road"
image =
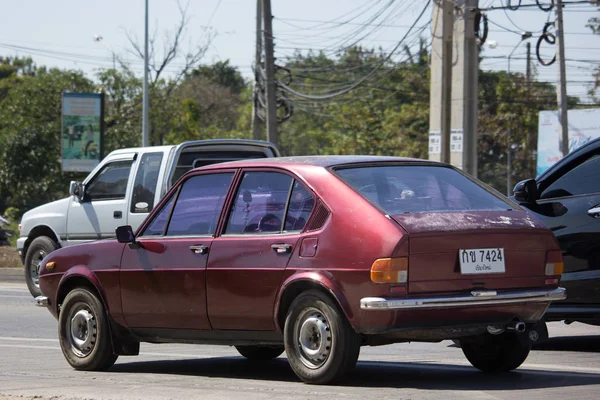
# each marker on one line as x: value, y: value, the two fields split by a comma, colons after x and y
x: 14, y: 296
x: 27, y: 339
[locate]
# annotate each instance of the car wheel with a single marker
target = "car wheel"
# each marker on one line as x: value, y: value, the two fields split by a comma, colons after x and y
x: 320, y: 344
x: 84, y: 333
x: 495, y: 353
x: 260, y: 353
x: 38, y: 249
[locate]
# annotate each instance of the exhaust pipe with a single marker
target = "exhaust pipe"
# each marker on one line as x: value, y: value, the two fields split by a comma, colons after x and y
x: 518, y: 327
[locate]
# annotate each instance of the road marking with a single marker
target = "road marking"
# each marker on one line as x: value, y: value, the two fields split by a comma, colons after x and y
x: 27, y: 339
x: 14, y: 296
x: 26, y: 346
x: 13, y: 289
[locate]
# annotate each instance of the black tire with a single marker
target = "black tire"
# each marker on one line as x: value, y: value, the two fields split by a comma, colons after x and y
x: 83, y: 332
x: 38, y: 249
x: 315, y: 324
x: 260, y: 353
x: 495, y: 353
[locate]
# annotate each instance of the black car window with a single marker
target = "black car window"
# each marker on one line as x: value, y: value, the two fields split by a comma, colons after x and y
x: 299, y: 209
x: 146, y: 179
x: 110, y: 183
x: 159, y: 222
x: 401, y: 189
x: 583, y: 179
x: 199, y: 204
x: 259, y: 205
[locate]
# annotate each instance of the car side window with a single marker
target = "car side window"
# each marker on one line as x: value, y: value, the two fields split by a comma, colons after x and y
x: 146, y: 180
x: 583, y: 179
x: 159, y: 223
x: 110, y: 183
x: 259, y: 205
x: 299, y: 209
x: 199, y: 204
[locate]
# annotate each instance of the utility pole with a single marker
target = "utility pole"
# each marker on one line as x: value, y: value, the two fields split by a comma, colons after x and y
x: 528, y: 68
x: 446, y: 114
x: 272, y: 135
x: 256, y: 123
x: 562, y: 92
x: 470, y: 95
x: 145, y: 105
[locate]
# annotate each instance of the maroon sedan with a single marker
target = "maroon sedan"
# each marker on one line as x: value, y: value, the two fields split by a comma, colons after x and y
x: 316, y: 256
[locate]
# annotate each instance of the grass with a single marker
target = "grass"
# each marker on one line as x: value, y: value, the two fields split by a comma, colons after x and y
x: 9, y: 258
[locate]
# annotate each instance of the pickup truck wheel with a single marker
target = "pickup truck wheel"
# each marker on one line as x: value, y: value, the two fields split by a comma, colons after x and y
x: 501, y: 353
x: 320, y: 344
x: 38, y: 249
x: 260, y: 353
x: 83, y: 332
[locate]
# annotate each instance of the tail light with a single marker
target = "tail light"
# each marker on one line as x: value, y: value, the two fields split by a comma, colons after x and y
x: 390, y: 270
x: 554, y: 263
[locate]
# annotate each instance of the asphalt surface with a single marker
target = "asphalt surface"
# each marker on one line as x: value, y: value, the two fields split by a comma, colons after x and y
x: 32, y: 366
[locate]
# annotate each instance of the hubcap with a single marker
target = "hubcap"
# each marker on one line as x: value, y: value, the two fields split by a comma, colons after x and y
x: 35, y: 266
x: 82, y: 331
x: 313, y: 339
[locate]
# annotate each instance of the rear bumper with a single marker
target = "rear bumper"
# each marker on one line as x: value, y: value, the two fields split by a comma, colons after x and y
x: 475, y: 298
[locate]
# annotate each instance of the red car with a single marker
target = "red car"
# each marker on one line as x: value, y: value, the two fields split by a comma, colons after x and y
x: 316, y: 256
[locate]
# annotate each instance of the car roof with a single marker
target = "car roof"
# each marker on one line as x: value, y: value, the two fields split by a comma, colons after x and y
x: 317, y: 161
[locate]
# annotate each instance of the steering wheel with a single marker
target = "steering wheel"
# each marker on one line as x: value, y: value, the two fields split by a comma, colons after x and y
x: 269, y: 223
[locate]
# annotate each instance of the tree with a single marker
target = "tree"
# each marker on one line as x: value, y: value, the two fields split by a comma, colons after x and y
x: 30, y: 137
x: 594, y: 25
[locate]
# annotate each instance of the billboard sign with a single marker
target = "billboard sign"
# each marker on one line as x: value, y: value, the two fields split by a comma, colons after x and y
x: 81, y: 137
x: 584, y: 125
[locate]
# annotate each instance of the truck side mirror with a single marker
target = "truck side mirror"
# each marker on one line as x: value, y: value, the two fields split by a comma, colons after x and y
x: 77, y: 189
x: 526, y: 191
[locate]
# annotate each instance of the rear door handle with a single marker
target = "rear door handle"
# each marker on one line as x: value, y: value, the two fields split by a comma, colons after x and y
x: 594, y: 211
x: 282, y: 248
x: 199, y: 249
x: 118, y: 214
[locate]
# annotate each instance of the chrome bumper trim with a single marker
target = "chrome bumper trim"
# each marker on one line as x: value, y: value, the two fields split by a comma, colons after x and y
x: 41, y: 301
x: 475, y: 298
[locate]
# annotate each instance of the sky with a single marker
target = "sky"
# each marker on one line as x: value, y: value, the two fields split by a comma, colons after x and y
x: 61, y: 32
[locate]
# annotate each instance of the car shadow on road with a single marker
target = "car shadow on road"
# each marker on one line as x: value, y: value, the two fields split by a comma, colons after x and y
x: 416, y: 375
x: 590, y: 344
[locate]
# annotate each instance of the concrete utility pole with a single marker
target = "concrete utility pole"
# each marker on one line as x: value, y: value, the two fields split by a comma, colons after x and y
x: 272, y: 134
x: 453, y: 94
x: 145, y: 103
x: 446, y: 115
x: 256, y: 122
x: 528, y: 67
x: 562, y: 72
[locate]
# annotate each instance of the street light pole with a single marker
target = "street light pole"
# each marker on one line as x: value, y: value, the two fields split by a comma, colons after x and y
x: 145, y: 106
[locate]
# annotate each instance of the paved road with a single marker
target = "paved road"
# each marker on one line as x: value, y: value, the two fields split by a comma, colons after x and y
x: 31, y: 364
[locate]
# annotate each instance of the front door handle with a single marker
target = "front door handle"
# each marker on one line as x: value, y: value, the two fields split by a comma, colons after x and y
x: 594, y: 211
x: 118, y: 214
x: 281, y: 248
x: 199, y: 249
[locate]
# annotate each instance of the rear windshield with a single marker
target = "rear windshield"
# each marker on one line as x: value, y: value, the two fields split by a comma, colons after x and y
x: 402, y: 189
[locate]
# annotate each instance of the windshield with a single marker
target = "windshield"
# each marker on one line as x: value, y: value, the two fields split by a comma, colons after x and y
x: 401, y: 189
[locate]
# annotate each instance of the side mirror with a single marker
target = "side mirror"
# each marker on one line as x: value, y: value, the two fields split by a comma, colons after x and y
x: 125, y: 234
x: 526, y: 191
x: 76, y: 189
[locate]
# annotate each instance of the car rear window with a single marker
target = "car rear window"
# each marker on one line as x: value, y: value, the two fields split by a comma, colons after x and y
x: 399, y: 189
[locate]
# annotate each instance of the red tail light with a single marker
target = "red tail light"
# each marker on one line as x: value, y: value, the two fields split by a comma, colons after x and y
x: 554, y: 263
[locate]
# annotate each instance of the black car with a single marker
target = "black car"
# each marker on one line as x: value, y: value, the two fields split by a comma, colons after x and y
x: 567, y: 199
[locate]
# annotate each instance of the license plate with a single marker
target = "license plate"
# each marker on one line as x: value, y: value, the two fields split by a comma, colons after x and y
x: 481, y: 261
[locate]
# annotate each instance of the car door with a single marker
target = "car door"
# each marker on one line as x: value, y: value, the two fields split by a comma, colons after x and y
x: 104, y: 205
x: 247, y: 262
x: 163, y: 278
x: 570, y: 206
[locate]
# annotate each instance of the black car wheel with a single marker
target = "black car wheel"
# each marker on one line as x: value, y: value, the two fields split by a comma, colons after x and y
x: 320, y: 344
x: 38, y: 249
x: 260, y: 353
x: 83, y: 332
x: 495, y: 353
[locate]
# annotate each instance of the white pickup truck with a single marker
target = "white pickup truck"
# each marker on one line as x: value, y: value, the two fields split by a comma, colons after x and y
x: 121, y: 190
